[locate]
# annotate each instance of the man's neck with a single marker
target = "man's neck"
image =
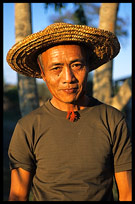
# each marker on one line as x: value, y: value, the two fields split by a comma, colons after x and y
x: 75, y: 106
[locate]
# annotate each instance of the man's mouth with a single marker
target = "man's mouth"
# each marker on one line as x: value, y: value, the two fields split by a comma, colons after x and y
x: 70, y: 90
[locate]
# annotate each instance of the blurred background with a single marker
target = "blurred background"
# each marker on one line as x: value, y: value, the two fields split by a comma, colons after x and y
x: 112, y: 87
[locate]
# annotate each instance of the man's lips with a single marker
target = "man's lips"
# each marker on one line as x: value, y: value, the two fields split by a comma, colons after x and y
x: 69, y: 90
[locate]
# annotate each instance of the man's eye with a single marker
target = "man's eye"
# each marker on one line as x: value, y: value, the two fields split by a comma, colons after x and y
x: 56, y: 68
x: 77, y: 66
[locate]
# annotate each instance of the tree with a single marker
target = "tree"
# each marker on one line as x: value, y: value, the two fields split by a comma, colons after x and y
x: 27, y: 89
x: 102, y: 86
x: 102, y: 80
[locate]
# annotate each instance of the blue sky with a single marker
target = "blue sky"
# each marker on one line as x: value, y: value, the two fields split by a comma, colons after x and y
x: 42, y: 18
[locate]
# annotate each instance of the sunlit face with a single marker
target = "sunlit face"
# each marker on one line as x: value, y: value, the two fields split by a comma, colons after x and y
x: 66, y: 71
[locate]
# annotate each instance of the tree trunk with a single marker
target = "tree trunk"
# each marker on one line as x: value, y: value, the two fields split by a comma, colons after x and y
x: 27, y: 89
x: 121, y: 99
x: 102, y: 80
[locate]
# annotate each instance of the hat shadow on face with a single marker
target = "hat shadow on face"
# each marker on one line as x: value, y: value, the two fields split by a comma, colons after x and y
x: 93, y: 60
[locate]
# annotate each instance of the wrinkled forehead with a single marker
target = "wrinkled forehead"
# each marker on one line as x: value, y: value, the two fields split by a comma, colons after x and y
x: 80, y: 48
x: 83, y: 46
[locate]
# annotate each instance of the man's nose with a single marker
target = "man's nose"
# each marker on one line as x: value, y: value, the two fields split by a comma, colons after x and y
x: 68, y: 75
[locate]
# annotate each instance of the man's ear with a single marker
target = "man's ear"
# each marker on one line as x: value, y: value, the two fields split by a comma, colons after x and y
x: 42, y: 73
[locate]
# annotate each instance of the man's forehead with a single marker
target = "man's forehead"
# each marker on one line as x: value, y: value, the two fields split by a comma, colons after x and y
x: 65, y: 47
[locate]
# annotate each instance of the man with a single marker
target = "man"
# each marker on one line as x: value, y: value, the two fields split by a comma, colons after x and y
x: 70, y: 148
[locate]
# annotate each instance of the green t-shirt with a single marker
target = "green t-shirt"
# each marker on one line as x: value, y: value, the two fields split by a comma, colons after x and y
x: 72, y: 161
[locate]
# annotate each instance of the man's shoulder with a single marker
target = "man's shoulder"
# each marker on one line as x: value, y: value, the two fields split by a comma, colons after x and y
x: 113, y: 111
x: 107, y: 109
x: 31, y: 117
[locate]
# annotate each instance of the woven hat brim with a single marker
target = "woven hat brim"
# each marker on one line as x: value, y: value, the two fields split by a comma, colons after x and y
x: 103, y: 46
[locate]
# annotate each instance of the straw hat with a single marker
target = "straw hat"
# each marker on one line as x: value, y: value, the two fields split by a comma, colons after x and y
x: 103, y: 46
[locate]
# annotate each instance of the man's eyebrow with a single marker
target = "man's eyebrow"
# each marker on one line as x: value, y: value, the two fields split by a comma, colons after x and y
x: 77, y: 60
x: 72, y: 61
x: 55, y: 64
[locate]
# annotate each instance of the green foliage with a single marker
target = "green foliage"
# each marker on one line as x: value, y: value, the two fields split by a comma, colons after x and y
x: 116, y: 88
x: 57, y: 6
x: 43, y: 92
x: 11, y: 103
x: 121, y: 25
x: 89, y: 86
x: 79, y: 16
x: 11, y: 93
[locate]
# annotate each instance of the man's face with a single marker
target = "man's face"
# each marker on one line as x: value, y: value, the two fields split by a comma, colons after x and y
x: 66, y: 71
